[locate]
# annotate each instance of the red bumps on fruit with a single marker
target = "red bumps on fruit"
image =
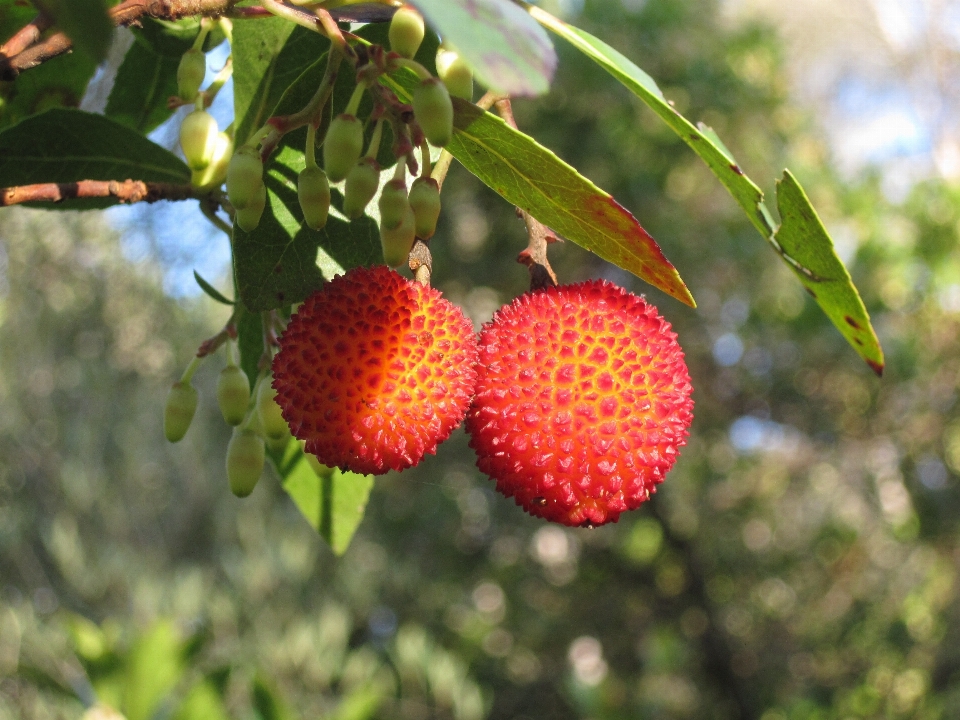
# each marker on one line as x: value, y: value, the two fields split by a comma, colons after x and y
x: 582, y: 400
x: 374, y: 371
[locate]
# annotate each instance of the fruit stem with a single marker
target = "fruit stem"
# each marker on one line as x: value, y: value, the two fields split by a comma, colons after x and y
x: 205, y: 25
x: 310, y: 151
x: 425, y: 157
x: 374, y: 146
x: 226, y: 26
x: 419, y: 69
x: 210, y: 94
x: 355, y: 99
x: 191, y: 369
x: 231, y: 353
x: 400, y: 172
x: 441, y: 167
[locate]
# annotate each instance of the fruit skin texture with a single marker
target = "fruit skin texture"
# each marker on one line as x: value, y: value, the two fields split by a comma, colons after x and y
x: 374, y: 371
x: 582, y: 400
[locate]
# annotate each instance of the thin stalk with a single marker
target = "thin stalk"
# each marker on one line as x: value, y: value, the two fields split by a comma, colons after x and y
x: 419, y: 69
x: 374, y: 146
x: 310, y: 151
x: 187, y: 376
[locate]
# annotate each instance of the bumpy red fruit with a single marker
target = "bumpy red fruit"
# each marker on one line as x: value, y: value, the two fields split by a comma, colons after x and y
x: 374, y: 371
x: 582, y: 401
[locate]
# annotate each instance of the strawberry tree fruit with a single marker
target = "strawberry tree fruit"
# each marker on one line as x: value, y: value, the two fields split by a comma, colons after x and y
x: 190, y: 74
x: 246, y: 456
x: 425, y: 202
x: 582, y: 402
x: 361, y: 185
x: 455, y: 74
x: 179, y: 410
x: 198, y: 138
x: 434, y: 111
x: 271, y: 417
x: 342, y: 146
x: 374, y: 371
x: 248, y: 217
x: 244, y: 177
x: 233, y: 394
x: 406, y: 31
x: 313, y: 190
x: 396, y: 242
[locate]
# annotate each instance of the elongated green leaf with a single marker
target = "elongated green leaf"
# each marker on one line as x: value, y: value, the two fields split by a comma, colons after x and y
x: 334, y: 505
x: 210, y: 289
x: 803, y: 237
x: 534, y: 179
x: 85, y: 22
x: 63, y: 146
x: 154, y: 667
x: 268, y: 56
x: 250, y: 343
x: 842, y: 302
x: 59, y: 82
x: 508, y: 51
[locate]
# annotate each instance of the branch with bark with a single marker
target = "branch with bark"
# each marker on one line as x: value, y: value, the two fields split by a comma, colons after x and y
x: 126, y: 191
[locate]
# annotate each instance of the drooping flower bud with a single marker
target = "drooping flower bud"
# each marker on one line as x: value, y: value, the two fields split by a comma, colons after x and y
x: 342, y: 146
x: 233, y: 394
x: 434, y: 111
x: 313, y: 190
x: 198, y: 138
x: 248, y: 218
x: 455, y: 74
x: 274, y: 426
x: 216, y: 172
x: 179, y: 410
x: 425, y: 203
x: 396, y: 242
x: 244, y: 177
x: 362, y: 183
x: 246, y: 456
x: 393, y: 203
x: 190, y: 74
x: 406, y: 31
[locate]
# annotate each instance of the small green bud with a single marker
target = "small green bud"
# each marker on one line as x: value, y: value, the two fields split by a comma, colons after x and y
x: 455, y: 74
x: 425, y: 203
x: 179, y: 410
x: 198, y: 138
x: 244, y: 177
x: 393, y: 204
x: 362, y: 183
x: 342, y: 146
x: 397, y: 242
x: 314, y: 193
x: 318, y: 467
x: 216, y: 172
x: 190, y: 74
x: 246, y: 456
x: 434, y: 111
x: 274, y: 426
x: 248, y: 218
x: 406, y: 31
x: 233, y: 394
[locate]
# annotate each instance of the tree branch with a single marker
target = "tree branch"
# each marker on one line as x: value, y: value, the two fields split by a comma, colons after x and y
x: 126, y: 191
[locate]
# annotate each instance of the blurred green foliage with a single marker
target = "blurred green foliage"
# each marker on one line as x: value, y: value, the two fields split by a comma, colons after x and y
x: 799, y: 563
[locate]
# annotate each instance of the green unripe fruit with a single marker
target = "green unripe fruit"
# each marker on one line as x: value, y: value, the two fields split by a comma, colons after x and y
x: 342, y: 147
x: 216, y: 172
x: 198, y: 138
x: 274, y: 426
x: 455, y: 74
x: 246, y: 456
x: 434, y: 111
x: 244, y: 177
x: 406, y: 31
x: 248, y: 218
x: 318, y: 467
x: 179, y: 410
x: 425, y: 203
x: 362, y: 183
x: 313, y: 189
x: 393, y: 204
x: 233, y: 394
x: 190, y: 74
x: 396, y: 242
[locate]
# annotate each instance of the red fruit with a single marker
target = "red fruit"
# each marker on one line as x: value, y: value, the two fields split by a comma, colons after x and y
x: 582, y: 399
x: 374, y: 371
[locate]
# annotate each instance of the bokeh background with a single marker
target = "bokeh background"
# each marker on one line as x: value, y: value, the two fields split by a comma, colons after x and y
x: 799, y: 563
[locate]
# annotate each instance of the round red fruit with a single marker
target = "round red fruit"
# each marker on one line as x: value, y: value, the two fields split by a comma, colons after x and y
x: 374, y: 371
x: 582, y: 401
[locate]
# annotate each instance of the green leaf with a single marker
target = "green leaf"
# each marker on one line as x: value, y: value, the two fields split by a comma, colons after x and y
x: 805, y: 240
x: 63, y: 146
x: 508, y: 51
x: 534, y: 179
x: 85, y: 22
x: 841, y: 302
x: 282, y: 261
x: 148, y: 75
x: 250, y: 343
x: 268, y: 56
x: 210, y: 289
x: 154, y: 667
x: 203, y: 701
x: 267, y: 702
x: 59, y: 82
x: 334, y: 505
